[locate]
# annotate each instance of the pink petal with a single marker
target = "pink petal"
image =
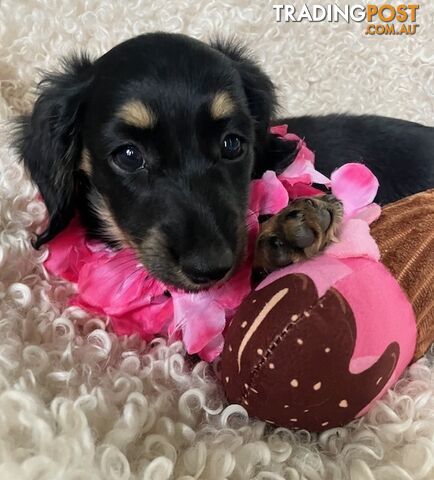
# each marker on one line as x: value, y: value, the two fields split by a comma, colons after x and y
x: 288, y: 182
x: 298, y: 190
x: 257, y: 193
x: 95, y: 246
x: 255, y: 196
x: 302, y: 170
x: 200, y: 319
x: 268, y: 195
x: 145, y: 321
x: 279, y: 130
x: 369, y: 214
x: 213, y: 349
x: 303, y: 152
x: 292, y: 137
x: 117, y: 283
x: 355, y: 185
x: 355, y: 240
x: 297, y: 169
x: 127, y: 326
x: 231, y: 293
x: 68, y: 252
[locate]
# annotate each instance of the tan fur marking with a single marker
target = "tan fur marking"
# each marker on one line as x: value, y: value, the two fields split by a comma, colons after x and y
x: 110, y: 227
x: 137, y: 114
x: 222, y: 105
x: 85, y: 163
x: 152, y: 242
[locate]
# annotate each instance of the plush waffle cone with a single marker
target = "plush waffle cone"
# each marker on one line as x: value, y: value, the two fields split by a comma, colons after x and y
x: 405, y: 236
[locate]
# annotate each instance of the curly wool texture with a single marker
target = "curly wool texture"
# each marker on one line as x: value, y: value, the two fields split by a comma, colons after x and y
x: 77, y: 402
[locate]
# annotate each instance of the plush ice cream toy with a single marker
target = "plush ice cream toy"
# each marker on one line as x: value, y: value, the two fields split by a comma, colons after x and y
x: 316, y: 343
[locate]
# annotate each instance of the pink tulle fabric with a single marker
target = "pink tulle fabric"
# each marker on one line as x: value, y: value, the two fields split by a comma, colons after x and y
x: 114, y: 284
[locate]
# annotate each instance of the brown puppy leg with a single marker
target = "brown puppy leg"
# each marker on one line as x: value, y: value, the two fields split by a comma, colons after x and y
x: 298, y: 232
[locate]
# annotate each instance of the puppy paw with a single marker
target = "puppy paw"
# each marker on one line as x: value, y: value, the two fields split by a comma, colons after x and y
x: 298, y: 232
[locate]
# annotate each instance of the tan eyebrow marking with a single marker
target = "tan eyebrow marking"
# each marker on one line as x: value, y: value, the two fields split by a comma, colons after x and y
x: 137, y: 114
x: 222, y: 105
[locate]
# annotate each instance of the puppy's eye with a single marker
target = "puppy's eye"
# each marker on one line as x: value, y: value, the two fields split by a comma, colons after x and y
x: 232, y: 147
x: 128, y: 158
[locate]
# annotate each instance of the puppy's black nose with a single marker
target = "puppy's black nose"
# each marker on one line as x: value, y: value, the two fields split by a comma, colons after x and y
x: 208, y: 269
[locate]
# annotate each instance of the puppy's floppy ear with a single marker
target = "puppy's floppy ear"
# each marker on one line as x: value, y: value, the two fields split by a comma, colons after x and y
x: 48, y: 140
x: 271, y: 153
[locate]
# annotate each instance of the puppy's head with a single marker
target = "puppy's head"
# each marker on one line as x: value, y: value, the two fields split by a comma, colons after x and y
x: 154, y: 143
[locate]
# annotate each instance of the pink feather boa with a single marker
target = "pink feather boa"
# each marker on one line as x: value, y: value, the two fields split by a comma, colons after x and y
x: 113, y: 283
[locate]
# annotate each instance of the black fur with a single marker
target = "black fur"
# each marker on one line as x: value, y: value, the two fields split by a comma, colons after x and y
x: 400, y: 153
x: 187, y: 207
x: 49, y: 140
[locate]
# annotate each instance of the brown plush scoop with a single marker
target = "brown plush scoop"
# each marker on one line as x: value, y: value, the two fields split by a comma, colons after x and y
x: 405, y: 236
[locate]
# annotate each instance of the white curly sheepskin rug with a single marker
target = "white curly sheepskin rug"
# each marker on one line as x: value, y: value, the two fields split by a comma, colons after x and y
x: 78, y: 403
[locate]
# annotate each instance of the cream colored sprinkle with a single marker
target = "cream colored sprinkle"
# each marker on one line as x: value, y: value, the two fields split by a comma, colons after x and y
x: 246, y: 386
x: 317, y: 386
x: 227, y: 379
x: 230, y: 348
x: 294, y: 419
x: 271, y: 366
x: 285, y: 406
x: 294, y: 383
x: 254, y: 300
x: 244, y: 324
x: 343, y: 404
x: 306, y: 410
x: 274, y: 300
x: 294, y: 317
x: 327, y: 350
x: 324, y: 424
x: 259, y: 351
x: 379, y: 380
x: 306, y: 313
x: 299, y: 341
x: 253, y: 390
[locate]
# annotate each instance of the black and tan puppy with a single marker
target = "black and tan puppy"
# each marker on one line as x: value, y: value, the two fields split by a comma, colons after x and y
x: 154, y: 145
